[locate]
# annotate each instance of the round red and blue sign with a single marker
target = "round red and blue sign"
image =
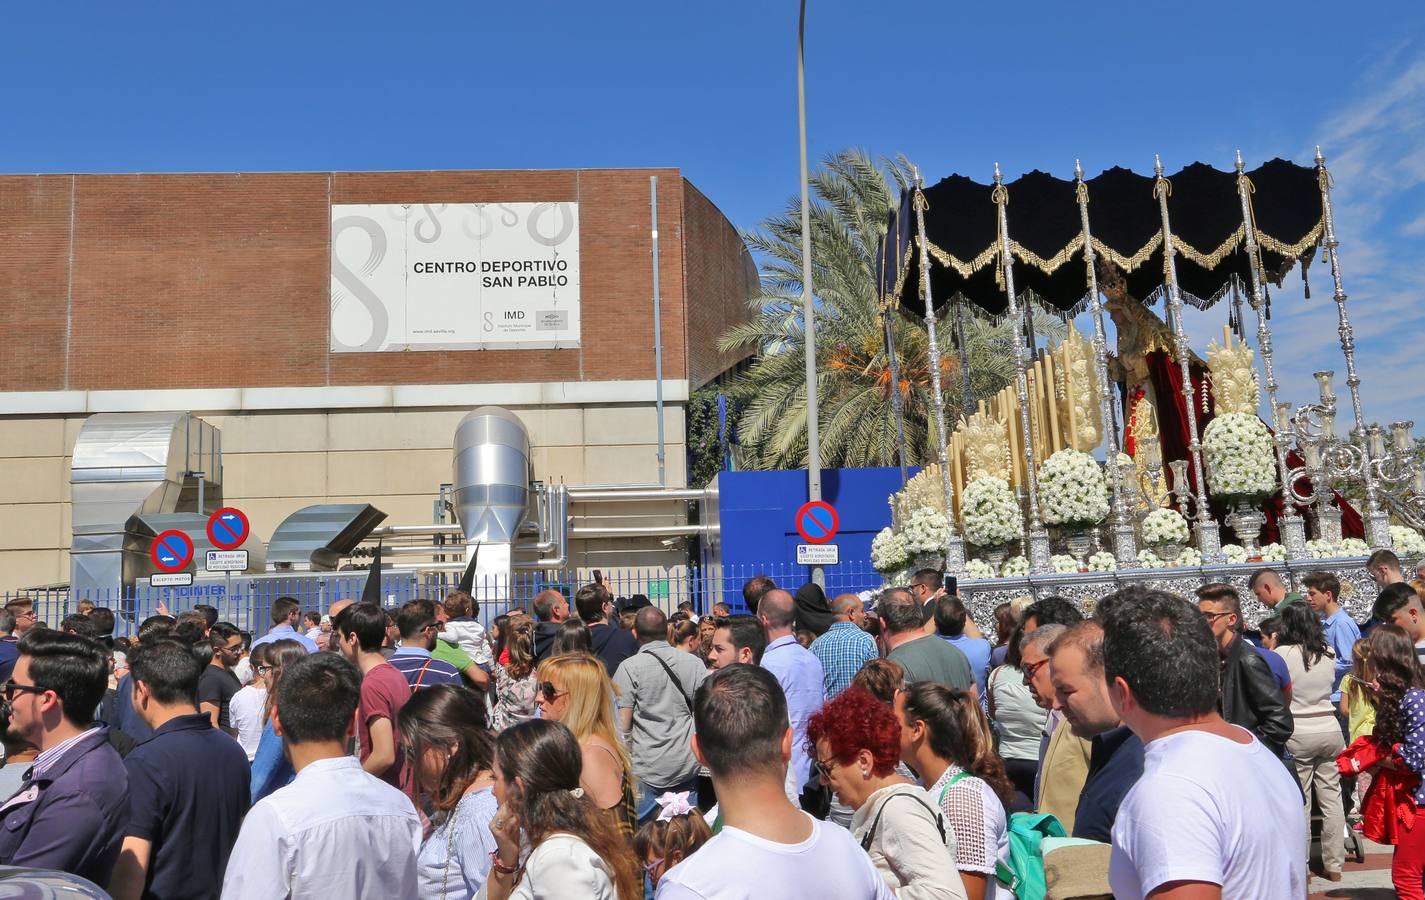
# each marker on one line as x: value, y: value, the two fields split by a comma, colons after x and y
x: 817, y: 522
x: 171, y: 551
x: 228, y: 528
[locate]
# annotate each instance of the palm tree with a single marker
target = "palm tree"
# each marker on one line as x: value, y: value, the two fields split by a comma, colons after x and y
x: 852, y: 197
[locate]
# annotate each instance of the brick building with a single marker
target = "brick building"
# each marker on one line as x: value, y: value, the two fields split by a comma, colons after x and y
x: 212, y: 293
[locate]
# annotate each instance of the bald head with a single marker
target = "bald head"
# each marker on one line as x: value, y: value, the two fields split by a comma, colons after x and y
x: 844, y: 605
x: 650, y: 624
x: 338, y: 606
x: 777, y: 612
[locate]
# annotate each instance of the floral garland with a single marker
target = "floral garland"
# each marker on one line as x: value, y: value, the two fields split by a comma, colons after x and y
x: 1073, y: 490
x: 1241, y: 463
x: 990, y: 512
x: 926, y: 531
x: 888, y: 551
x: 1189, y: 558
x: 1318, y: 548
x: 1015, y: 567
x: 1165, y: 526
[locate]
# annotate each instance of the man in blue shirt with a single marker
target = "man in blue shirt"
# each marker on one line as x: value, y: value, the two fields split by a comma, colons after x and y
x: 419, y: 628
x: 1322, y: 591
x: 797, y: 671
x: 950, y: 617
x: 844, y: 648
x: 1116, y: 753
x: 285, y: 613
x: 188, y: 784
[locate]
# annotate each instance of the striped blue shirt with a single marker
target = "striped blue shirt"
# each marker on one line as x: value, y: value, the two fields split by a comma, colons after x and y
x: 843, y: 650
x: 423, y: 670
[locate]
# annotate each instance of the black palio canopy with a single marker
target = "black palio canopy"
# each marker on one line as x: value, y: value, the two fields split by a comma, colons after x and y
x: 1046, y: 235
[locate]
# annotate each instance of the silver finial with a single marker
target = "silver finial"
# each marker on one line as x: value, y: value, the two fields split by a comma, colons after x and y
x: 997, y: 175
x: 1157, y: 164
x: 1320, y: 160
x: 1078, y: 171
x: 915, y: 173
x: 1239, y: 161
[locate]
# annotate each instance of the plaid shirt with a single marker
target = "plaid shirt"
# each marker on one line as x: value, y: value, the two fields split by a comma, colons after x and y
x: 843, y: 650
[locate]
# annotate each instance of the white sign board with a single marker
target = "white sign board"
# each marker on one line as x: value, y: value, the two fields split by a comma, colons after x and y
x: 818, y: 555
x: 454, y: 276
x: 171, y: 579
x: 226, y: 561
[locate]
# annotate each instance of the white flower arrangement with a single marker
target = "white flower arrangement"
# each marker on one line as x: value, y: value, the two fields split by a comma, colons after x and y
x: 1063, y: 563
x: 1237, y: 449
x: 1072, y: 489
x: 1317, y: 548
x: 1408, y: 542
x: 1015, y: 567
x: 1235, y: 553
x: 1102, y: 561
x: 989, y: 512
x: 926, y: 531
x: 888, y: 551
x: 1273, y: 553
x: 1190, y: 557
x: 1165, y: 526
x: 978, y: 570
x: 1354, y: 547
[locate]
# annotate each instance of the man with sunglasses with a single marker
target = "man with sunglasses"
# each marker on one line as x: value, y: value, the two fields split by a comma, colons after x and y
x: 419, y: 629
x: 1063, y: 756
x: 73, y: 809
x: 1249, y: 695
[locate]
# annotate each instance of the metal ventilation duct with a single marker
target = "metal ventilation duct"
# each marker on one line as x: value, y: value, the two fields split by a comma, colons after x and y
x: 492, y: 475
x: 315, y: 538
x: 128, y: 464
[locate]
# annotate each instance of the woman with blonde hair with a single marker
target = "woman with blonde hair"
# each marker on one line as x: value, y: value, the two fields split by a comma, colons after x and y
x: 575, y: 689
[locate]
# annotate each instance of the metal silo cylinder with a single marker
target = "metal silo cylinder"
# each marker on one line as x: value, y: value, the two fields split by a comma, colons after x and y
x: 491, y: 475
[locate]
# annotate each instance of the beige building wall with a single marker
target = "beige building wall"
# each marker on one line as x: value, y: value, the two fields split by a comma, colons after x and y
x: 276, y: 461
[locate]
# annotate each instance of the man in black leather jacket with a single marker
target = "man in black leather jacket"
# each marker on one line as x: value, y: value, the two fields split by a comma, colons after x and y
x: 1248, y: 694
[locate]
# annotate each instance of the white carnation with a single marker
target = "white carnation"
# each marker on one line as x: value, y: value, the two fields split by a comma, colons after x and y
x: 1073, y: 490
x: 1165, y: 526
x: 1014, y: 567
x: 888, y: 551
x: 926, y: 531
x: 1063, y: 563
x: 978, y: 570
x: 1408, y: 542
x: 1273, y: 553
x: 1237, y: 450
x: 1102, y: 561
x: 989, y: 512
x: 1235, y: 553
x: 1354, y: 547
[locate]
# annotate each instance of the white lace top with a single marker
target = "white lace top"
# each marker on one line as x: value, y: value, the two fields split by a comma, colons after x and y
x: 975, y: 814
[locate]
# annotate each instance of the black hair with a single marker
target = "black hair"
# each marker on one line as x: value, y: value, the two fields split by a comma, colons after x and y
x: 1225, y: 594
x: 209, y: 613
x: 740, y: 717
x: 317, y: 698
x: 1163, y: 648
x: 411, y: 617
x: 155, y: 625
x: 931, y: 578
x: 283, y: 607
x: 1258, y: 576
x: 442, y: 716
x: 746, y: 632
x: 74, y: 667
x: 1053, y: 611
x: 573, y: 637
x: 221, y: 633
x: 168, y: 669
x: 365, y: 620
x: 1271, y: 626
x: 589, y: 601
x: 103, y: 619
x: 80, y: 625
x: 1393, y: 597
x: 1302, y: 627
x: 950, y: 616
x: 754, y: 589
x: 1325, y: 582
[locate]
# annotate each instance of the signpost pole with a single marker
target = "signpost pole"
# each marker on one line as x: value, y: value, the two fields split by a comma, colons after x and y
x: 808, y: 313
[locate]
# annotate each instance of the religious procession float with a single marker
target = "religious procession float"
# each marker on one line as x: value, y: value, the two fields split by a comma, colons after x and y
x: 1018, y: 503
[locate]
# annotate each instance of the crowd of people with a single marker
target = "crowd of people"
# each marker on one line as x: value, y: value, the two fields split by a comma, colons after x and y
x: 805, y: 747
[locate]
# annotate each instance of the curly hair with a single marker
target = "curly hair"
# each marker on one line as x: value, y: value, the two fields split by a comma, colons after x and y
x: 855, y: 720
x: 1393, y: 668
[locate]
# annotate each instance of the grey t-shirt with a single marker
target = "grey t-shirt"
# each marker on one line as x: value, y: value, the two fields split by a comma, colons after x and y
x: 662, y: 718
x: 929, y: 658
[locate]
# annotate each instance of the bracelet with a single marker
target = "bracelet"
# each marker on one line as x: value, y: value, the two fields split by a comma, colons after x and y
x: 501, y: 867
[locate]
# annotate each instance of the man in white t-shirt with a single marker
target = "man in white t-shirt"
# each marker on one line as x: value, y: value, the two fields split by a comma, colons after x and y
x: 1215, y: 814
x: 766, y: 846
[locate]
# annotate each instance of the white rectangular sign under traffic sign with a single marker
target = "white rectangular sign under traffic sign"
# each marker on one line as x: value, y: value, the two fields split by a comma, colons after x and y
x: 171, y: 579
x: 818, y: 555
x: 226, y: 561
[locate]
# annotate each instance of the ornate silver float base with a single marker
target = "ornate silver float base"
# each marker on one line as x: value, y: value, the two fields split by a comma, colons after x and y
x: 1209, y: 541
x: 955, y: 556
x: 1292, y: 533
x: 1378, y: 531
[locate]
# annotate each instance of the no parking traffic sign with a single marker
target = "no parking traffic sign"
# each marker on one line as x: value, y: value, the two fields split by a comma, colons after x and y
x: 227, y: 528
x: 171, y: 551
x: 817, y: 522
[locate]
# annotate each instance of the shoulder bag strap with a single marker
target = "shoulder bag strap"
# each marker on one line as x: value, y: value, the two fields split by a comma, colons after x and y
x: 935, y: 816
x: 674, y: 678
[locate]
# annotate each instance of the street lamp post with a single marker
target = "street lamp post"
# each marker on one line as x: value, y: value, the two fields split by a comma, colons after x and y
x: 808, y: 320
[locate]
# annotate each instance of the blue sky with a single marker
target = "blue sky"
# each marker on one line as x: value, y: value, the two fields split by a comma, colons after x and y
x: 710, y: 88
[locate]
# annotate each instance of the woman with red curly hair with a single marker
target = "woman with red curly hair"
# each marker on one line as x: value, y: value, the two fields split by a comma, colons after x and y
x: 855, y: 741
